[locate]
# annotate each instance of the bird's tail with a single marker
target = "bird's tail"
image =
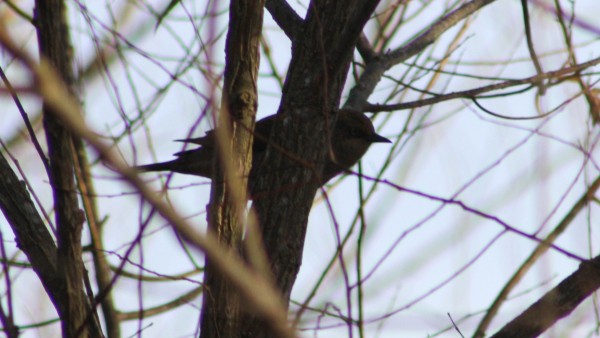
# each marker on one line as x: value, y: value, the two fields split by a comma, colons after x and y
x: 163, y: 166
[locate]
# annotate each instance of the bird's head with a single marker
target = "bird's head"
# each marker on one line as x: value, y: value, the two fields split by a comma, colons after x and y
x: 353, y: 134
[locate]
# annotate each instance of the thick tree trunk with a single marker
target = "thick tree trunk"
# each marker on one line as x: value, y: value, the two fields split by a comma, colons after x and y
x: 321, y: 53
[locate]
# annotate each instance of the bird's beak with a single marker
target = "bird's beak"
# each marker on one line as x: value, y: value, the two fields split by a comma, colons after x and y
x: 378, y: 138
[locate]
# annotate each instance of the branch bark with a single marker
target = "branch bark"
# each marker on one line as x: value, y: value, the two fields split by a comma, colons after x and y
x: 221, y: 308
x: 377, y: 65
x: 77, y: 317
x: 556, y: 304
x: 321, y: 55
x: 533, y: 257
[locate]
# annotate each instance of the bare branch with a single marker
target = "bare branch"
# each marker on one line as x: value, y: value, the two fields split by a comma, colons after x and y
x: 555, y: 304
x: 375, y: 69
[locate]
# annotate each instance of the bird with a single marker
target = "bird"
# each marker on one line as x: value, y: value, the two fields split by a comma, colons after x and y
x: 352, y: 135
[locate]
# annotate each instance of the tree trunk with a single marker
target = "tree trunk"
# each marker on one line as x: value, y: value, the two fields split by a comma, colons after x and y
x: 221, y: 312
x: 321, y: 53
x: 77, y: 316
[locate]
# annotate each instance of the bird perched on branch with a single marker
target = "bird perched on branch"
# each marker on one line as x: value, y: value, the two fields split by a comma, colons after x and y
x: 352, y: 135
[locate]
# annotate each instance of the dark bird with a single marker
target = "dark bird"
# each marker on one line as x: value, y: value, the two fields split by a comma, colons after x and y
x: 352, y: 135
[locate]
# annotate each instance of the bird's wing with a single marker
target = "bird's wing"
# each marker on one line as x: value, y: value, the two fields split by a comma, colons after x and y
x: 262, y: 130
x: 207, y: 141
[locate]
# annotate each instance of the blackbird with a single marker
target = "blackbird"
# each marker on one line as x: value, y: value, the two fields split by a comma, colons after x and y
x: 352, y: 135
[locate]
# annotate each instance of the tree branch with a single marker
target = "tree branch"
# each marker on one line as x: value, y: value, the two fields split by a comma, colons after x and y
x: 378, y: 65
x: 256, y: 291
x: 53, y: 39
x: 285, y: 16
x: 556, y: 304
x: 538, y: 252
x: 221, y: 307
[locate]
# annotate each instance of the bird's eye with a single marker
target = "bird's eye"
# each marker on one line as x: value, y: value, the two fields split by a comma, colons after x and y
x: 355, y: 132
